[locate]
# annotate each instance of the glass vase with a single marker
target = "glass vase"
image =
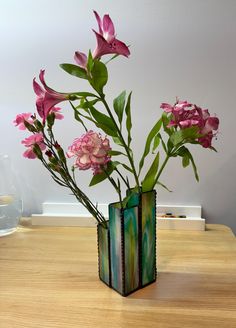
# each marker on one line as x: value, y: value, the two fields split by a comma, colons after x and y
x: 127, y: 248
x: 10, y: 200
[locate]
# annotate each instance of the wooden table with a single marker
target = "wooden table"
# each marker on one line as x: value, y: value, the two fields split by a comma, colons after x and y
x: 48, y: 279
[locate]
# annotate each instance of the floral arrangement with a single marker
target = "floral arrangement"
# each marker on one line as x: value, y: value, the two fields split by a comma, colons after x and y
x: 183, y: 123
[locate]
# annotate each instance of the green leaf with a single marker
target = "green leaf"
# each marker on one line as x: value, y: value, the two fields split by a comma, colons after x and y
x: 131, y: 193
x: 75, y: 70
x: 128, y: 118
x: 193, y: 165
x: 90, y: 62
x: 103, y: 176
x: 183, y: 151
x: 127, y: 167
x: 184, y: 135
x: 185, y: 160
x: 118, y: 141
x: 165, y: 120
x: 99, y: 76
x: 88, y: 104
x: 119, y: 105
x: 163, y: 143
x: 149, y: 180
x: 104, y: 122
x: 170, y: 145
x: 150, y: 137
x: 161, y: 184
x: 84, y: 94
x: 156, y: 142
x: 116, y: 153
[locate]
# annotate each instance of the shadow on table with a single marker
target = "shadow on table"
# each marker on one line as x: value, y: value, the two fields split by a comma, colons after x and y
x: 190, y: 287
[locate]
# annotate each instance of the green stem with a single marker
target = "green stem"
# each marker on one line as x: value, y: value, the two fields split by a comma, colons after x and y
x: 161, y: 169
x: 112, y: 181
x: 70, y: 183
x: 102, y: 97
x: 126, y: 183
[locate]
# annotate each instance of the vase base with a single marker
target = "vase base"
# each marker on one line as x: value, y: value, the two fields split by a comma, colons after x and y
x: 131, y: 292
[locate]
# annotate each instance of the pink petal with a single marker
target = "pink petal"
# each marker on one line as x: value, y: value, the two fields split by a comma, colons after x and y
x: 81, y: 59
x: 37, y: 88
x: 205, y: 114
x: 97, y: 160
x: 29, y: 154
x: 185, y: 124
x: 41, y: 77
x: 167, y: 107
x: 213, y: 122
x: 108, y: 28
x: 85, y: 159
x: 99, y: 21
x: 104, y: 48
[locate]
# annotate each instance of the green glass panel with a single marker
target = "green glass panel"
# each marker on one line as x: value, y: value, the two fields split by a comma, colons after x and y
x: 115, y: 247
x: 134, y: 200
x: 148, y: 237
x: 103, y: 254
x: 131, y: 249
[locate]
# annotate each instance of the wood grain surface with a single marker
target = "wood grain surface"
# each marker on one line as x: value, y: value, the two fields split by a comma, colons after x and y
x: 48, y: 279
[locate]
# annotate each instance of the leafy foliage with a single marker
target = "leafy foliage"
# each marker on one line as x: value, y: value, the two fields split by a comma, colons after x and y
x: 75, y: 70
x: 99, y: 76
x: 128, y: 119
x: 119, y: 105
x: 149, y: 180
x: 187, y: 158
x: 149, y: 140
x: 103, y: 176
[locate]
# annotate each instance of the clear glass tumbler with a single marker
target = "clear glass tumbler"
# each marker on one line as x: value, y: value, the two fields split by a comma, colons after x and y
x: 10, y: 200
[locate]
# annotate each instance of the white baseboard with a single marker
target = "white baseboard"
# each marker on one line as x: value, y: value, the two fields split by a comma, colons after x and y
x: 62, y: 220
x: 73, y: 214
x: 181, y: 223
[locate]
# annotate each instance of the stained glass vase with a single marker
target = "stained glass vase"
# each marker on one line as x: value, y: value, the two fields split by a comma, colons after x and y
x: 127, y: 248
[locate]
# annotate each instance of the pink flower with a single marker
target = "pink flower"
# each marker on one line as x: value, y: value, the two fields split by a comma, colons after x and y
x: 211, y: 124
x: 56, y: 111
x: 90, y: 151
x: 46, y: 97
x: 81, y: 59
x: 35, y: 139
x: 185, y: 115
x: 106, y: 39
x: 21, y: 118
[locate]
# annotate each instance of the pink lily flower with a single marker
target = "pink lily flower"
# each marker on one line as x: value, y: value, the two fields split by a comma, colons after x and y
x: 21, y: 118
x: 35, y: 139
x: 81, y: 59
x: 56, y: 111
x: 106, y: 39
x: 46, y: 97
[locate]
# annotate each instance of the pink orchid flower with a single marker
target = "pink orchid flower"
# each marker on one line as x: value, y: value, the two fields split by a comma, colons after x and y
x: 21, y: 118
x: 46, y: 97
x: 90, y: 151
x: 35, y: 139
x: 106, y: 39
x: 186, y: 115
x: 81, y: 59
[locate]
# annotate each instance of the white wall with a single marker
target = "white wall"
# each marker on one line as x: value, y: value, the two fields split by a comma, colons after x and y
x: 182, y: 48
